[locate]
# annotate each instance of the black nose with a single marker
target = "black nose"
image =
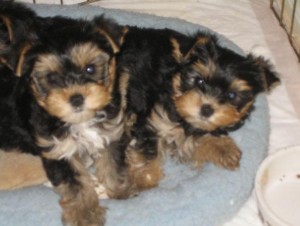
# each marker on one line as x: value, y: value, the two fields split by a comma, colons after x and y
x: 207, y: 110
x: 76, y: 100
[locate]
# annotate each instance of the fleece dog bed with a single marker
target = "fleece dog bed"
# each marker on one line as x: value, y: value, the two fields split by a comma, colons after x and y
x: 207, y: 197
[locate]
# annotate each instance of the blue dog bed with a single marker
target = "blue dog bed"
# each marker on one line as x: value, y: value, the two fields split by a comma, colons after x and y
x: 207, y: 197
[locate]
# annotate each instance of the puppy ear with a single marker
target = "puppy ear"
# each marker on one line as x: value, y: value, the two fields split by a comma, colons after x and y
x: 204, y: 47
x: 15, y: 19
x: 268, y: 75
x: 5, y: 32
x: 16, y: 30
x: 113, y: 32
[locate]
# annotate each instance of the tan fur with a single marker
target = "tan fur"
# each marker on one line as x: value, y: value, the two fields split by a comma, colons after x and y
x: 88, y: 53
x: 171, y: 135
x: 108, y: 174
x: 113, y: 44
x: 19, y: 68
x: 172, y: 139
x: 206, y: 71
x: 46, y: 63
x: 122, y: 39
x: 240, y: 85
x: 80, y: 202
x: 143, y: 173
x: 188, y: 105
x: 112, y: 74
x: 124, y: 79
x: 246, y: 108
x: 176, y: 82
x: 4, y: 62
x: 222, y: 151
x: 200, y: 42
x: 18, y: 170
x: 176, y: 49
x: 57, y: 102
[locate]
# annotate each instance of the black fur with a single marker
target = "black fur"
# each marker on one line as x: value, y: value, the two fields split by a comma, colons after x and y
x: 147, y: 55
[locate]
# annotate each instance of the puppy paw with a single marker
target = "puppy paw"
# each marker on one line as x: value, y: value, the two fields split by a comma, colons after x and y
x: 84, y: 217
x: 80, y: 205
x: 222, y: 151
x: 227, y: 156
x: 143, y: 172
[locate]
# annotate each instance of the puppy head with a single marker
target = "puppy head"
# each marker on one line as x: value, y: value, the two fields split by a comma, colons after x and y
x: 73, y: 70
x: 216, y: 87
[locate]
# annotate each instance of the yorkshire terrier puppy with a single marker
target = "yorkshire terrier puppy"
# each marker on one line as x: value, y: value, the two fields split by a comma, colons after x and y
x: 64, y: 107
x: 185, y: 94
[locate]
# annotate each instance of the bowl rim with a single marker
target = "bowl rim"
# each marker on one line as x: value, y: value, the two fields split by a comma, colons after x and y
x: 262, y: 205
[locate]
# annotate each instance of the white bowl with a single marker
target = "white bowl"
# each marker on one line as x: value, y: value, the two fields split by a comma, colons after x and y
x: 277, y: 188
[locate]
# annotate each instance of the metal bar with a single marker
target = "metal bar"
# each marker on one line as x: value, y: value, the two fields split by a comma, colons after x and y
x: 280, y: 18
x: 293, y: 17
x: 282, y: 10
x: 88, y: 2
x: 275, y: 12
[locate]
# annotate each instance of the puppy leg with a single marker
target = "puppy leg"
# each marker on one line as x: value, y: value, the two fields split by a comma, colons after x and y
x: 222, y: 151
x: 111, y: 175
x: 79, y: 200
x: 144, y: 172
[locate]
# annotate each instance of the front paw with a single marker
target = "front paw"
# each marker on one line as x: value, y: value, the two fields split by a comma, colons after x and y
x: 80, y: 206
x: 227, y: 154
x: 84, y: 217
x: 222, y: 151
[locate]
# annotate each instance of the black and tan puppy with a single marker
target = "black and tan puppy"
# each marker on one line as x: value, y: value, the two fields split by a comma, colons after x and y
x: 63, y: 107
x: 186, y: 93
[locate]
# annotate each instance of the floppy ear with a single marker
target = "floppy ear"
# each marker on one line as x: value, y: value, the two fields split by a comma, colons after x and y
x: 15, y: 18
x: 204, y: 45
x: 113, y: 32
x: 8, y: 51
x: 16, y: 31
x: 199, y: 47
x: 268, y: 75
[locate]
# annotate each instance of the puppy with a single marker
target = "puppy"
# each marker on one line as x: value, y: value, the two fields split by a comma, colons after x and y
x: 64, y: 107
x: 185, y: 93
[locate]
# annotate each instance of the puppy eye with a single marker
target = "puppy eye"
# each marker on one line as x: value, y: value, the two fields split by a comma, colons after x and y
x: 53, y: 79
x: 199, y: 81
x: 231, y: 95
x: 90, y: 69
